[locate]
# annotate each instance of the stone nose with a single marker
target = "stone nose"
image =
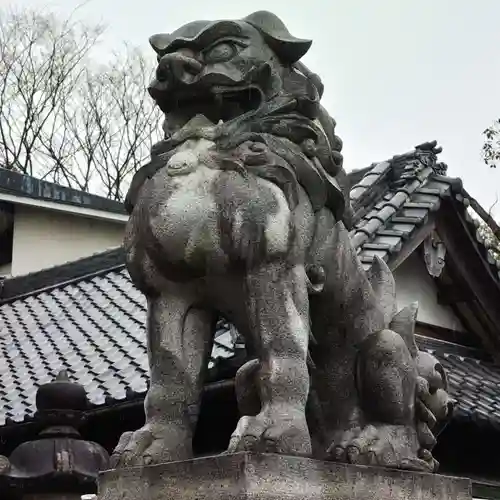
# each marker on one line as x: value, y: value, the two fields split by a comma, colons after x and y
x: 177, y: 66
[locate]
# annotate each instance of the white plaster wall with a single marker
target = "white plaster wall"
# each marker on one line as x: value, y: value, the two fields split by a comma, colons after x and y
x: 413, y: 283
x: 44, y: 238
x: 5, y: 270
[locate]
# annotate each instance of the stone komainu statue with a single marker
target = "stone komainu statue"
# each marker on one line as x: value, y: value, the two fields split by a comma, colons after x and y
x: 242, y: 211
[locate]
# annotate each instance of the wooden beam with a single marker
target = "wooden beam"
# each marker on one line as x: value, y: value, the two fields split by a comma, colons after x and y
x: 487, y: 218
x: 453, y: 294
x: 463, y: 251
x: 413, y: 242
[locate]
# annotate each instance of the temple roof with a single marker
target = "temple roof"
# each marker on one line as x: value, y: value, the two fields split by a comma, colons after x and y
x: 88, y: 318
x: 25, y: 189
x: 394, y: 198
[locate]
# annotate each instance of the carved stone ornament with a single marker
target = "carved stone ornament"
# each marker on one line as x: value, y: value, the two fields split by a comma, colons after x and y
x: 242, y: 212
x: 59, y: 462
x: 434, y: 254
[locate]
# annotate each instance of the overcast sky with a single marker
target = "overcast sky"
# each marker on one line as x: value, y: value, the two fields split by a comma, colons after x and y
x: 397, y: 72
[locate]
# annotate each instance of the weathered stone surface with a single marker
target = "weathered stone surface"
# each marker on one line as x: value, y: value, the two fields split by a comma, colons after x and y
x: 241, y: 213
x: 275, y: 477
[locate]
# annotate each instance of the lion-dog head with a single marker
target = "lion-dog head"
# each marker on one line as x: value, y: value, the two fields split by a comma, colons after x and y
x: 223, y: 69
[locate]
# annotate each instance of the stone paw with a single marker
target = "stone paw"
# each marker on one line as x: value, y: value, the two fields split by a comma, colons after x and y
x: 284, y: 433
x: 152, y: 444
x: 383, y: 445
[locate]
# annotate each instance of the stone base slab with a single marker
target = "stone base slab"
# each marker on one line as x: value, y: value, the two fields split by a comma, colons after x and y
x: 273, y: 477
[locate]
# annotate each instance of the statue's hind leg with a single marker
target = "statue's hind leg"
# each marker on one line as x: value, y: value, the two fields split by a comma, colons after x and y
x: 179, y: 340
x: 277, y: 308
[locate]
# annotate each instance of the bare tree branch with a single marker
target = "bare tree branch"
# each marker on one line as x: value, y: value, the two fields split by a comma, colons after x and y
x: 41, y: 59
x: 65, y: 118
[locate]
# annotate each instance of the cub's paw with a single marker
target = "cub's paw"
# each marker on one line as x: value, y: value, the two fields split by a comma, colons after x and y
x: 394, y: 446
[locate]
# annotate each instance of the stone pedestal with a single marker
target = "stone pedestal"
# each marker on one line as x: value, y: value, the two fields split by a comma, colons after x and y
x: 273, y: 477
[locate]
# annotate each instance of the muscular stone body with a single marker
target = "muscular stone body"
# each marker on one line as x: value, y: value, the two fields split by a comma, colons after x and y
x: 239, y: 213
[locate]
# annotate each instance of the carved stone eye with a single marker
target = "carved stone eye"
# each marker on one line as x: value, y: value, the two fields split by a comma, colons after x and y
x: 221, y: 52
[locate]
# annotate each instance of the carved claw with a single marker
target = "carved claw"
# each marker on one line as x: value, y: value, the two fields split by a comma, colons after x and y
x: 383, y: 445
x: 355, y: 446
x: 264, y: 433
x: 152, y: 444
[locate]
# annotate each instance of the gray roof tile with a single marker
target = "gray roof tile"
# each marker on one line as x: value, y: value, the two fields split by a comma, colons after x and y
x: 391, y: 243
x: 403, y: 227
x: 386, y: 213
x: 92, y: 326
x: 412, y: 190
x: 370, y: 253
x: 357, y: 192
x: 381, y: 167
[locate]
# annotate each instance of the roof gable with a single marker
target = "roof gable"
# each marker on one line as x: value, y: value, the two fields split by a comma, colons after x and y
x: 402, y: 203
x: 396, y: 198
x: 392, y: 199
x: 414, y: 283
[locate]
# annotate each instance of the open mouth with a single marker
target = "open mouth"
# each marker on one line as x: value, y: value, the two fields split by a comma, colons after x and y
x: 216, y: 103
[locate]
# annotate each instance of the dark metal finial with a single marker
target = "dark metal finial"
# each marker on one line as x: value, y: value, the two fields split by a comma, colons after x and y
x: 62, y: 376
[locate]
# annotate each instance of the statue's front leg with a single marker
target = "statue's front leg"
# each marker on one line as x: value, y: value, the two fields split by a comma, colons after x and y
x: 278, y: 318
x: 179, y: 340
